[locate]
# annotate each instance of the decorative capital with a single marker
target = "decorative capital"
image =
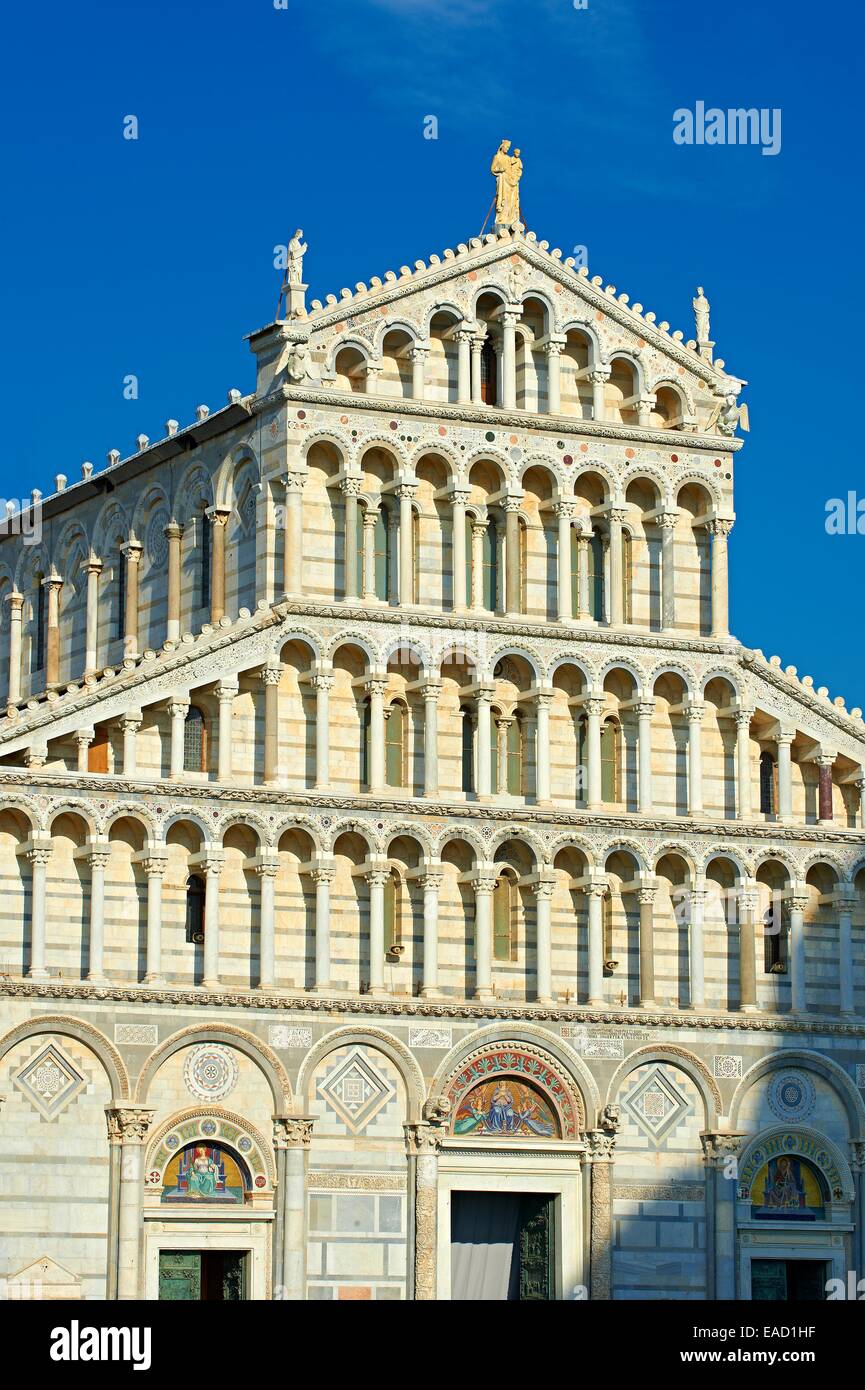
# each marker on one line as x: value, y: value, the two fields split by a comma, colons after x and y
x: 294, y: 482
x: 423, y: 1139
x: 601, y: 1145
x: 271, y: 675
x: 128, y: 1124
x: 350, y: 485
x: 718, y: 1146
x: 322, y: 680
x: 292, y: 1131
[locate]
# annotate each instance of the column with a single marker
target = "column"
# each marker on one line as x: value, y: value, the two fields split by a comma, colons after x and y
x: 267, y: 867
x: 785, y: 775
x: 270, y: 678
x: 646, y: 897
x: 130, y: 723
x: 212, y: 865
x: 482, y: 737
x: 601, y: 1148
x: 322, y: 683
x: 798, y: 902
x: 667, y: 523
x: 594, y: 708
x: 645, y: 710
x: 502, y: 726
x: 645, y: 406
x: 174, y: 535
x: 509, y: 320
x: 544, y: 940
x: 845, y: 901
x: 292, y: 1135
x: 132, y: 552
x: 513, y: 576
x: 565, y: 514
x: 825, y: 763
x: 464, y: 366
x: 695, y: 759
x: 617, y: 573
x: 479, y: 530
x: 423, y: 1145
x: 459, y: 498
x: 177, y: 713
x: 294, y: 483
x: 405, y: 492
x: 16, y: 603
x: 584, y: 611
x: 554, y: 362
x: 430, y: 882
x: 52, y: 586
x: 370, y: 517
x: 418, y: 357
x: 376, y: 878
x: 84, y: 738
x: 599, y: 377
x: 749, y: 904
x: 430, y: 692
x: 719, y: 530
x: 219, y: 523
x: 719, y: 1155
x: 860, y: 787
x: 97, y: 856
x: 697, y: 972
x: 322, y: 876
x: 154, y: 863
x: 596, y: 891
x: 742, y: 718
x: 38, y: 854
x: 543, y: 701
x: 91, y: 639
x: 350, y: 487
x: 375, y: 688
x: 127, y: 1130
x: 392, y: 519
x: 477, y: 349
x: 225, y: 694
x: 483, y: 885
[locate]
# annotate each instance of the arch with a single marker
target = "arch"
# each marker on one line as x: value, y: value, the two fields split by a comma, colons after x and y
x: 830, y: 1071
x: 134, y: 811
x: 670, y: 668
x: 180, y: 1117
x: 295, y: 821
x: 721, y: 673
x: 685, y: 1061
x: 829, y: 1152
x: 187, y: 814
x: 508, y: 649
x: 112, y: 521
x: 195, y: 487
x: 12, y: 804
x: 622, y: 845
x: 239, y: 1039
x: 71, y: 808
x: 404, y: 1061
x: 674, y: 847
x: 85, y: 1033
x: 347, y: 638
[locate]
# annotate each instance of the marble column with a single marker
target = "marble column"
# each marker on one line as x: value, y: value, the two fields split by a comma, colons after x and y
x: 91, y: 621
x: 599, y: 377
x: 370, y: 518
x: 482, y: 741
x: 484, y: 884
x: 322, y: 875
x: 502, y: 726
x: 130, y: 723
x: 464, y: 368
x: 267, y: 867
x: 177, y: 711
x: 785, y: 775
x: 226, y: 693
x: 513, y: 572
x: 509, y: 319
x: 748, y: 905
x: 322, y: 684
x: 616, y: 518
x: 405, y: 492
x: 16, y: 604
x: 127, y: 1130
x: 38, y: 853
x: 375, y: 688
x: 212, y: 865
x: 646, y: 898
x: 219, y: 523
x: 423, y: 1145
x: 601, y: 1150
x: 294, y: 485
x: 270, y: 678
x: 350, y: 487
x: 84, y: 738
x: 667, y: 523
x: 742, y: 718
x: 845, y: 901
x: 132, y: 554
x: 595, y: 894
x: 174, y: 536
x: 479, y: 531
x: 825, y: 763
x: 696, y: 942
x: 292, y: 1135
x: 418, y: 357
x: 97, y: 856
x: 720, y: 1152
x: 154, y: 863
x: 477, y: 349
x: 594, y: 707
x: 543, y: 891
x: 645, y: 802
x: 565, y: 515
x: 430, y: 691
x: 695, y: 715
x: 376, y: 878
x: 52, y: 586
x: 554, y: 377
x: 458, y: 499
x: 430, y: 881
x: 543, y: 702
x: 798, y: 901
x: 584, y: 611
x: 719, y: 530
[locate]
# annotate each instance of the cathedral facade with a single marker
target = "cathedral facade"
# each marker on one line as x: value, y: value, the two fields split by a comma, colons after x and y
x: 401, y: 861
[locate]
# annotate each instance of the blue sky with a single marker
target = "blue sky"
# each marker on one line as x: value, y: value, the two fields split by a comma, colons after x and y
x: 155, y: 256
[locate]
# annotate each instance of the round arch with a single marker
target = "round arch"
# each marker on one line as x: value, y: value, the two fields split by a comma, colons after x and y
x: 237, y: 1038
x: 830, y: 1071
x: 404, y: 1061
x: 686, y: 1062
x: 87, y: 1035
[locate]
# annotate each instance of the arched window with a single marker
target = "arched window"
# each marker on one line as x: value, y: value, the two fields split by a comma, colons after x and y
x: 203, y: 522
x: 195, y: 909
x: 768, y: 771
x: 596, y: 577
x: 120, y: 609
x: 504, y: 919
x: 467, y: 749
x: 489, y: 374
x: 37, y: 646
x: 396, y: 762
x: 610, y: 780
x: 194, y: 741
x: 775, y: 937
x: 393, y: 894
x: 491, y: 565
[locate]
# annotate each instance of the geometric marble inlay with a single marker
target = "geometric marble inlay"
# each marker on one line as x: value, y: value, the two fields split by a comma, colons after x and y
x: 655, y: 1104
x: 210, y: 1072
x: 49, y: 1081
x: 356, y: 1090
x: 791, y: 1095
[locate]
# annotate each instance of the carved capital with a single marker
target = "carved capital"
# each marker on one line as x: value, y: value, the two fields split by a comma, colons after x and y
x: 292, y: 1131
x: 128, y: 1124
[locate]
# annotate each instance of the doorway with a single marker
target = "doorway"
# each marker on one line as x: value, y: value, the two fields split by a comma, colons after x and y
x: 202, y: 1276
x: 502, y: 1246
x: 789, y: 1281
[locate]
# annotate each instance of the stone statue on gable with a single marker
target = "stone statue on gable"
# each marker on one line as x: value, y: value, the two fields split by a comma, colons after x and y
x: 297, y: 249
x: 508, y: 170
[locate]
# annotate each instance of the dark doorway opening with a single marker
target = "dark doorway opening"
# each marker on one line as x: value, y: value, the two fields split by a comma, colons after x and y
x: 202, y: 1276
x: 502, y: 1246
x: 788, y: 1281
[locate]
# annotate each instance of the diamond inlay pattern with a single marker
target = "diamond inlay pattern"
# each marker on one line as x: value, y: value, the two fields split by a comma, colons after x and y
x: 50, y: 1081
x: 656, y: 1104
x: 356, y: 1090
